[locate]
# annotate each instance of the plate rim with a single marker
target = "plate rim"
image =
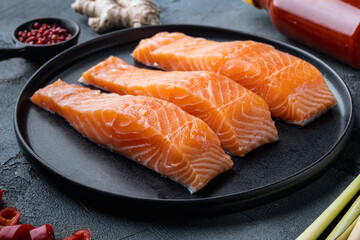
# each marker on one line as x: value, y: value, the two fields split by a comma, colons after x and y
x: 269, y: 191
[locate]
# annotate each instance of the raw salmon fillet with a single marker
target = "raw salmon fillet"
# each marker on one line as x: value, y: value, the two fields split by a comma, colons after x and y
x: 239, y: 117
x: 150, y: 131
x: 294, y: 89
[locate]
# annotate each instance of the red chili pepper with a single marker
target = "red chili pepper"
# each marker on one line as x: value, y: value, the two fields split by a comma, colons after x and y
x: 82, y: 234
x: 1, y: 193
x: 44, y: 232
x: 9, y: 216
x: 16, y: 232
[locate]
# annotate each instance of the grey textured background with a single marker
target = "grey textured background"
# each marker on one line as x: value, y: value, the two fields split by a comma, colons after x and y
x: 41, y: 203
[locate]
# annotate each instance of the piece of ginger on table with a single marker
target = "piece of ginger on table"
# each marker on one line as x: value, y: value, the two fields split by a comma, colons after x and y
x: 105, y: 15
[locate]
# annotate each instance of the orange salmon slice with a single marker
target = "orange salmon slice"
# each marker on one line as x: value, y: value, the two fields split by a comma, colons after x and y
x: 155, y: 133
x: 295, y: 90
x: 239, y: 117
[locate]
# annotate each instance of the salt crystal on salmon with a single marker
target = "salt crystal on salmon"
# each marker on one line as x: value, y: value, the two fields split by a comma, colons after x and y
x: 295, y: 90
x: 153, y: 132
x: 239, y: 117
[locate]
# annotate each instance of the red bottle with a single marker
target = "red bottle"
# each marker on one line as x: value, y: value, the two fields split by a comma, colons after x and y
x: 331, y: 26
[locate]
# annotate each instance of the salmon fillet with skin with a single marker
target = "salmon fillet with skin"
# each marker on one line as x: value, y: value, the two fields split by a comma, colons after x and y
x: 239, y: 117
x: 295, y: 90
x: 155, y: 133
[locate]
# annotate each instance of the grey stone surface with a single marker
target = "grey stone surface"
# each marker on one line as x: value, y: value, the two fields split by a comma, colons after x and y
x: 41, y: 203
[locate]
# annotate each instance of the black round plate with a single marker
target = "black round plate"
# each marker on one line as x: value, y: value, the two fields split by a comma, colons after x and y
x: 97, y: 175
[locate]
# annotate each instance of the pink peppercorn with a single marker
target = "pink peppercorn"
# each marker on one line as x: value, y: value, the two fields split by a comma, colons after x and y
x: 44, y: 34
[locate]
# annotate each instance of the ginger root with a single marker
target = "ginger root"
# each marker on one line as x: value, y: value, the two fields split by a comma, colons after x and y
x: 105, y: 15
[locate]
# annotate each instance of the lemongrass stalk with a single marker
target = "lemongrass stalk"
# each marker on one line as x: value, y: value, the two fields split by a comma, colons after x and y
x: 355, y: 233
x: 323, y: 221
x: 346, y: 220
x: 345, y: 235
